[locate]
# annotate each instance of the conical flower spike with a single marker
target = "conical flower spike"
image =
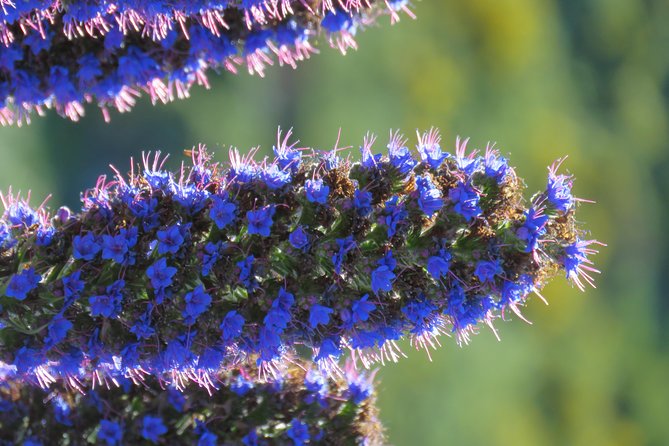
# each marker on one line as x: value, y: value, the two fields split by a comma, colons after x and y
x: 161, y: 269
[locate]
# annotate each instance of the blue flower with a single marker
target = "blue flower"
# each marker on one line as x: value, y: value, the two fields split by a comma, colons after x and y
x: 210, y: 256
x: 73, y: 285
x: 85, y: 247
x: 298, y: 432
x: 388, y: 260
x: 160, y: 274
x: 466, y: 201
x: 260, y: 220
x: 153, y: 428
x: 317, y: 192
x: 400, y: 155
x: 142, y: 328
x: 251, y: 439
x: 197, y: 302
x: 232, y: 325
x: 241, y: 386
x: 533, y: 228
x: 44, y: 236
x: 362, y: 200
x: 361, y: 308
x: 118, y: 246
x: 22, y: 283
x: 246, y: 272
x: 496, y: 166
x: 298, y: 238
x: 395, y: 215
x: 429, y: 199
x: 20, y: 214
x: 558, y: 189
x: 429, y: 149
x: 382, y: 279
x: 110, y: 432
x: 316, y: 384
x: 329, y: 349
x: 61, y: 410
x: 487, y: 270
x: 191, y: 198
x: 439, y: 265
x: 223, y: 212
x: 359, y: 388
x: 318, y: 314
x: 275, y: 178
x: 108, y: 305
x: 57, y: 330
x: 170, y: 239
x: 345, y: 245
x: 207, y: 439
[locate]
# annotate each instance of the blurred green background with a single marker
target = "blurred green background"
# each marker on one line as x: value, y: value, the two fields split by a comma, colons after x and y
x: 542, y: 78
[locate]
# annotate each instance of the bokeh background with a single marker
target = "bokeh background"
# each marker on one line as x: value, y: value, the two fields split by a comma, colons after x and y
x: 542, y: 78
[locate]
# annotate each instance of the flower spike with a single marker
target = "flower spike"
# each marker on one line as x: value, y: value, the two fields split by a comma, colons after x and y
x: 243, y: 263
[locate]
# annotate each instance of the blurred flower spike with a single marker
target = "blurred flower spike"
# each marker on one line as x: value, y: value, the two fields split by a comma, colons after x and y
x: 292, y: 408
x: 182, y: 274
x: 63, y: 54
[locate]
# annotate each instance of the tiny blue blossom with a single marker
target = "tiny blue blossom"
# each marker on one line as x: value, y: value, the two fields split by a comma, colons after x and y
x: 487, y: 270
x: 298, y: 238
x: 317, y: 192
x: 232, y: 325
x: 197, y: 302
x: 110, y: 432
x: 223, y: 212
x: 298, y: 432
x: 22, y: 283
x: 170, y: 240
x: 382, y: 279
x: 160, y: 274
x: 153, y: 428
x: 319, y: 315
x: 260, y: 220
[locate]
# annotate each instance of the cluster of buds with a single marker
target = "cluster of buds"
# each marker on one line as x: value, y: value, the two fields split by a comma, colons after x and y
x: 62, y: 54
x: 296, y: 408
x: 181, y: 275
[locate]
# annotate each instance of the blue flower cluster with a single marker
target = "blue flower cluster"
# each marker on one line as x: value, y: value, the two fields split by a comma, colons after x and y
x: 62, y: 55
x: 182, y: 279
x: 295, y: 407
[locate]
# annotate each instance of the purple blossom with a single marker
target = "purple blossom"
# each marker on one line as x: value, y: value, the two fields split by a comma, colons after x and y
x: 466, y: 201
x: 317, y: 192
x: 153, y: 428
x: 382, y: 279
x: 298, y: 238
x: 232, y: 325
x: 438, y: 266
x: 170, y: 239
x: 298, y: 432
x: 223, y: 212
x: 361, y: 308
x: 429, y: 197
x: 22, y: 283
x: 197, y: 302
x: 319, y: 315
x: 487, y: 270
x: 260, y: 220
x: 110, y: 432
x: 160, y: 274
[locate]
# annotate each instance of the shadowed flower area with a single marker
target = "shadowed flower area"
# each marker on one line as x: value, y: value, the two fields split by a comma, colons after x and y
x: 161, y: 270
x: 296, y: 407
